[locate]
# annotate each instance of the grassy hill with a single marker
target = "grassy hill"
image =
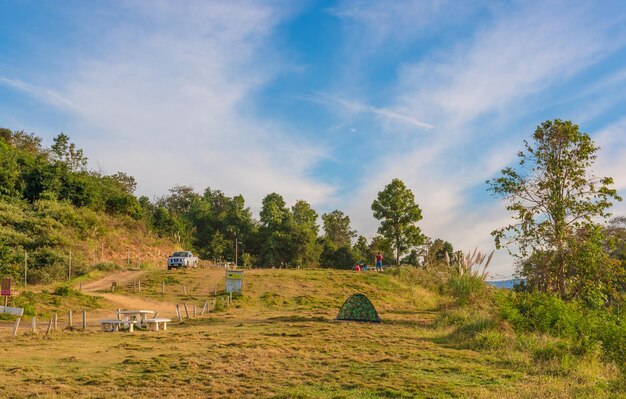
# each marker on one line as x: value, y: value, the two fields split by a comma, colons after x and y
x: 279, y: 340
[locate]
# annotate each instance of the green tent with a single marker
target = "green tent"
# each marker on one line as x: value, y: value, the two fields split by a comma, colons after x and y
x: 358, y: 308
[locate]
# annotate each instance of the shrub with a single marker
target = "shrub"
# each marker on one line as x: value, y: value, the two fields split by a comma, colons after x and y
x: 466, y: 288
x: 65, y: 290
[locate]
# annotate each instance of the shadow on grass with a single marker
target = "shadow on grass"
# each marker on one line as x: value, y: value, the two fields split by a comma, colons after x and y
x: 301, y: 319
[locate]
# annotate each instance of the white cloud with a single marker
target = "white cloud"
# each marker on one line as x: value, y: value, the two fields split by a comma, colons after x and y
x: 162, y: 95
x: 521, y: 52
x: 611, y: 160
x: 42, y: 94
x: 355, y: 107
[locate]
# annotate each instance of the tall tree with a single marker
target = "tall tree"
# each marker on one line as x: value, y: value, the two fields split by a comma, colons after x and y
x: 337, y: 228
x: 395, y: 207
x: 274, y: 231
x: 304, y: 230
x: 552, y: 195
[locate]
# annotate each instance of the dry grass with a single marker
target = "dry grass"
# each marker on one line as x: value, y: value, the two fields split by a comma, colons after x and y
x: 279, y: 341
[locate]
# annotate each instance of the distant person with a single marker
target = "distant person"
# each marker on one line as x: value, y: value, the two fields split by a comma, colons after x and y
x: 379, y: 261
x: 357, y: 267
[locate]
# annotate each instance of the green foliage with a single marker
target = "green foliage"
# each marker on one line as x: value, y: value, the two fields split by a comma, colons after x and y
x: 466, y: 288
x: 396, y: 209
x: 582, y: 328
x: 337, y: 230
x: 552, y: 197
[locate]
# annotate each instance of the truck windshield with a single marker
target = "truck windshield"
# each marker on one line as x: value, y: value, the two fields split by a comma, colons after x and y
x: 182, y: 254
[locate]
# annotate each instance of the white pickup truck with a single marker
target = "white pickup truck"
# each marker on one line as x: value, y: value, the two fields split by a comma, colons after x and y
x: 181, y: 259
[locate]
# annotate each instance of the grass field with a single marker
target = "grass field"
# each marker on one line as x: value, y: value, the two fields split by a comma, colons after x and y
x: 279, y: 340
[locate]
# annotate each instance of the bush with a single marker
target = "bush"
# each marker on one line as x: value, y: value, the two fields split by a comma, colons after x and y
x: 65, y: 290
x: 466, y: 288
x: 106, y: 267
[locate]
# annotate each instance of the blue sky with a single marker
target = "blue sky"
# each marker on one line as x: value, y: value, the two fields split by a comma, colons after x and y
x: 325, y: 101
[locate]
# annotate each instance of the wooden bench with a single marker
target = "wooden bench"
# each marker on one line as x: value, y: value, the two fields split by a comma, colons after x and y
x: 153, y: 324
x: 116, y: 325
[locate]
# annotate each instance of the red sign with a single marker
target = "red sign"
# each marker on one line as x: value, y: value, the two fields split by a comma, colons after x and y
x: 6, y: 287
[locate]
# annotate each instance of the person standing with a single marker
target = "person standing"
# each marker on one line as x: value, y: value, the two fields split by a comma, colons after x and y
x: 379, y: 261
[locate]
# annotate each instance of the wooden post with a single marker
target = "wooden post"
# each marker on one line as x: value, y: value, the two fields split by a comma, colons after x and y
x: 186, y: 310
x: 163, y: 288
x: 69, y: 319
x: 34, y: 322
x: 49, y: 326
x: 154, y: 316
x: 204, y: 307
x: 84, y: 319
x: 119, y: 316
x: 55, y: 321
x: 194, y: 311
x: 139, y: 285
x: 17, y: 325
x: 178, y: 313
x: 80, y: 286
x: 230, y: 297
x: 184, y: 289
x: 214, y: 289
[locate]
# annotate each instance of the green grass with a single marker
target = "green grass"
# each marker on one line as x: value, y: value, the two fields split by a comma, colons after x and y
x: 279, y: 341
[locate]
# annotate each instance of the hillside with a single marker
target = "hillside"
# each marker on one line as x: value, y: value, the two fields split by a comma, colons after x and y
x: 59, y: 220
x: 279, y: 340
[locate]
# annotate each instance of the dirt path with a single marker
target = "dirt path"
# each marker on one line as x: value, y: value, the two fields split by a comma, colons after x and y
x: 97, y: 287
x: 105, y: 283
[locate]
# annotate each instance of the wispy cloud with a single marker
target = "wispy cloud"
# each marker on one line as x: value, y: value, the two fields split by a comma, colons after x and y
x: 46, y: 95
x: 355, y: 107
x: 162, y: 96
x: 467, y: 88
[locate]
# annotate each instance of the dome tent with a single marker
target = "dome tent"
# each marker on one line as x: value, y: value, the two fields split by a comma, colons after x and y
x: 358, y: 308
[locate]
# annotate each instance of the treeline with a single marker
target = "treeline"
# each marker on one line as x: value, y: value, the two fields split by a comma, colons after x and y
x: 46, y: 191
x: 215, y: 225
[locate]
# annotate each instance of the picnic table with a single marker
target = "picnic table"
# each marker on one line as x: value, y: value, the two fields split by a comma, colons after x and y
x: 139, y: 316
x: 127, y: 319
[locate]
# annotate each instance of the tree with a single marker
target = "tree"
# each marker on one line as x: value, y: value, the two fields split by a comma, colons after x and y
x: 552, y: 195
x: 337, y: 228
x: 64, y: 151
x: 395, y: 207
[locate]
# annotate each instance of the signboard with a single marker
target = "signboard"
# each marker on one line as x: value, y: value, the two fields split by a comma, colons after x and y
x: 6, y: 286
x: 234, y: 280
x: 14, y: 311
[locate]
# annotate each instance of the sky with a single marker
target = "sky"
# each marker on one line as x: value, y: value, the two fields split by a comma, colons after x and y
x: 325, y: 101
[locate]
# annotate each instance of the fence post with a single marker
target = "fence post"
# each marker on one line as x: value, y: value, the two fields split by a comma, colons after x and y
x: 84, y: 319
x: 34, y: 322
x: 139, y: 285
x: 204, y: 307
x: 178, y: 313
x: 186, y: 310
x: 69, y: 319
x: 194, y: 311
x: 49, y: 326
x: 17, y: 325
x: 55, y: 321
